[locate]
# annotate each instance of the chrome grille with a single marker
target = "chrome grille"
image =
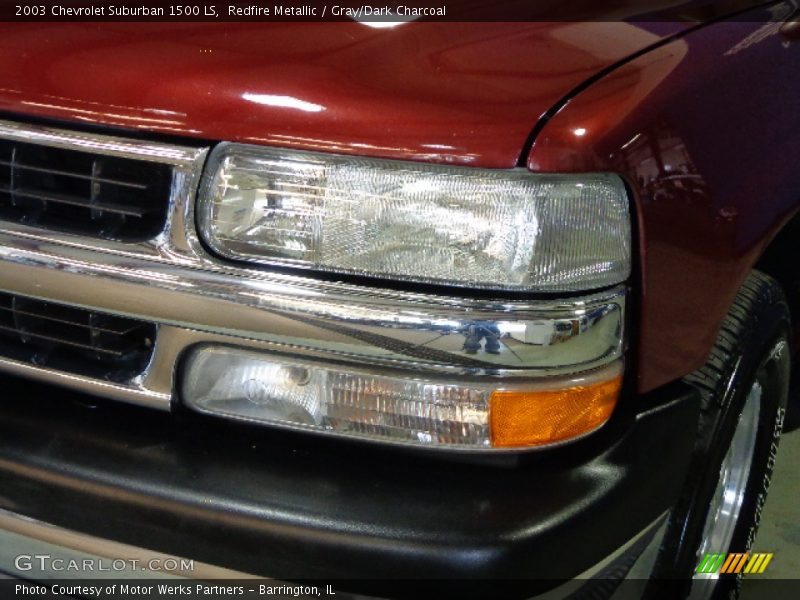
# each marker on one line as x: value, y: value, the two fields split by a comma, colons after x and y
x: 80, y: 192
x: 74, y: 340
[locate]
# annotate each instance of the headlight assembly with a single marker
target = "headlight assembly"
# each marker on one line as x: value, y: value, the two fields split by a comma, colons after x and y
x: 459, y: 226
x: 505, y: 376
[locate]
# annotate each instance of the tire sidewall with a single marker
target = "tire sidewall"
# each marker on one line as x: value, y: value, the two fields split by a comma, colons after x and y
x: 763, y: 357
x: 773, y: 374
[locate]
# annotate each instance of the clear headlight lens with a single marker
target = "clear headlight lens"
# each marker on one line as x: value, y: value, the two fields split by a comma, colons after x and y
x: 397, y: 408
x: 454, y: 225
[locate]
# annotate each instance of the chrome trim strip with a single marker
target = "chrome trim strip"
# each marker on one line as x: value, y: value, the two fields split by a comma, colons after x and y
x: 107, y: 145
x: 133, y: 393
x: 467, y: 336
x: 56, y: 540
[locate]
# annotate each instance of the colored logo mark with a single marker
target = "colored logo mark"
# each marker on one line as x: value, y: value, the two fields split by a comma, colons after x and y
x: 734, y: 563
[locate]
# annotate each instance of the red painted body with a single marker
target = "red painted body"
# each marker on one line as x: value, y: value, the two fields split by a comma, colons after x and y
x: 472, y: 93
x: 706, y: 130
x: 450, y: 92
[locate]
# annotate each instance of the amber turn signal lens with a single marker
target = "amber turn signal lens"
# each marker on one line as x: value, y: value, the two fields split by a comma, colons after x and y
x: 535, y: 418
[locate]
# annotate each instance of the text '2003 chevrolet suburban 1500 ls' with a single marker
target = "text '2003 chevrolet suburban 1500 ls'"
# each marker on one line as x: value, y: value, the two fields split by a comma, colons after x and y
x: 449, y: 301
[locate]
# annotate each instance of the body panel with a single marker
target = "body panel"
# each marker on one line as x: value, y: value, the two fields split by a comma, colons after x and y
x: 707, y: 139
x: 448, y: 92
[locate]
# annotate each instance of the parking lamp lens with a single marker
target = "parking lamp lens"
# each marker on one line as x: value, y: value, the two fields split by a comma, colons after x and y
x: 461, y: 226
x: 533, y: 418
x: 409, y: 409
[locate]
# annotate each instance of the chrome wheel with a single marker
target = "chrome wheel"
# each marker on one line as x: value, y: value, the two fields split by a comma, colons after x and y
x: 726, y: 503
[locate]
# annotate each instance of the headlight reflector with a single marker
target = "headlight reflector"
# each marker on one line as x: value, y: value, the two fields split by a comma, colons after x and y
x: 419, y: 222
x: 396, y: 408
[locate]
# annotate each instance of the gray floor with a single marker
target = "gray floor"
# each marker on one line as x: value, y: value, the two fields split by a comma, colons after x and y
x: 780, y: 522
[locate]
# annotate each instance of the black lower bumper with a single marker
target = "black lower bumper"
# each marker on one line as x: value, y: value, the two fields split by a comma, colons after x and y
x: 292, y: 507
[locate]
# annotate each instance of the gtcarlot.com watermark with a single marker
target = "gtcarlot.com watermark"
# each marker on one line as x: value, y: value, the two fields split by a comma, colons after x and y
x: 47, y: 563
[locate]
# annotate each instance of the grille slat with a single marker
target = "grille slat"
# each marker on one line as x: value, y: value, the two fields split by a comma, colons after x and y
x: 56, y: 313
x: 26, y: 334
x: 20, y: 167
x: 97, y: 205
x: 80, y: 192
x: 74, y: 340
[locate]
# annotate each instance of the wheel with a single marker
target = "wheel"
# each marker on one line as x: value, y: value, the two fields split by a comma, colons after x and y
x: 744, y: 388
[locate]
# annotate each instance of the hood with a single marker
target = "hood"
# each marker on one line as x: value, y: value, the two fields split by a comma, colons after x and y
x: 466, y: 93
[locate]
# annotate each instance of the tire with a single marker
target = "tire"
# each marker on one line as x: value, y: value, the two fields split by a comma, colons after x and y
x: 751, y: 355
